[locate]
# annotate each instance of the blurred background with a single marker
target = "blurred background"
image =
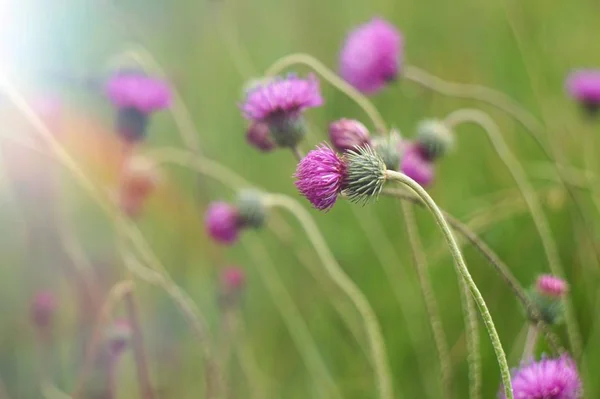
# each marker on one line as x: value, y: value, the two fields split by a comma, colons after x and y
x: 56, y: 238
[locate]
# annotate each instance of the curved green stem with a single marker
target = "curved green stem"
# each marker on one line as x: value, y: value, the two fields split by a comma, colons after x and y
x: 335, y: 80
x: 464, y: 272
x: 494, y: 260
x: 129, y: 229
x: 472, y: 338
x: 296, y: 325
x: 431, y: 305
x: 535, y: 208
x: 376, y: 342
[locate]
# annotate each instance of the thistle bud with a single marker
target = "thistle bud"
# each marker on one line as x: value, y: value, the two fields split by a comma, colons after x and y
x: 434, y: 138
x: 119, y: 336
x: 43, y: 307
x: 347, y: 134
x: 365, y: 175
x: 258, y: 136
x: 387, y: 149
x: 251, y: 210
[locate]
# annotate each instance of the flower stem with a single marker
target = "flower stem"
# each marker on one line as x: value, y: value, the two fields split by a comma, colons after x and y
x: 431, y: 305
x: 472, y: 338
x: 296, y: 325
x: 530, y: 342
x: 139, y: 354
x: 464, y: 272
x: 539, y: 218
x: 336, y: 81
x: 374, y: 335
x: 531, y: 124
x: 501, y: 268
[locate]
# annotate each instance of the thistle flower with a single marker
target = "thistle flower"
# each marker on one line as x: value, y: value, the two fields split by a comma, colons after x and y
x: 584, y: 86
x: 434, y: 139
x: 136, y: 96
x: 550, y: 285
x: 280, y: 103
x: 258, y: 135
x: 139, y: 179
x: 43, y: 307
x: 415, y: 165
x: 347, y: 134
x: 222, y: 222
x: 322, y: 175
x: 547, y: 379
x: 372, y: 55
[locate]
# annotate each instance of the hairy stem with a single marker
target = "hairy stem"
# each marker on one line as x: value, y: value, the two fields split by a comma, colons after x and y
x: 493, y: 259
x: 464, y: 273
x: 336, y: 81
x: 295, y: 324
x: 139, y: 354
x: 530, y: 342
x: 375, y: 338
x: 431, y: 305
x: 535, y: 208
x: 472, y: 338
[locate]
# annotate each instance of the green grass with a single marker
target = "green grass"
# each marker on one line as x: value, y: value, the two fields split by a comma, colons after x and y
x: 524, y: 49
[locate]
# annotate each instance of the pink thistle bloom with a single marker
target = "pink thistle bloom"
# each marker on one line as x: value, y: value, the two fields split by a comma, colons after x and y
x: 415, y: 165
x: 232, y: 278
x: 222, y: 222
x: 550, y: 285
x: 259, y: 136
x: 281, y: 98
x: 372, y: 55
x: 547, y: 379
x: 347, y: 134
x: 320, y: 177
x: 584, y: 86
x: 43, y: 308
x: 138, y: 91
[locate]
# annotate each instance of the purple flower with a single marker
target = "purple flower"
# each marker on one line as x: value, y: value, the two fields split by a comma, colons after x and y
x: 372, y: 55
x: 550, y: 285
x: 320, y: 177
x: 136, y: 96
x: 347, y: 134
x: 584, y: 86
x: 281, y: 97
x: 43, y: 308
x: 138, y: 91
x: 416, y: 166
x: 259, y: 136
x: 222, y: 222
x: 547, y: 379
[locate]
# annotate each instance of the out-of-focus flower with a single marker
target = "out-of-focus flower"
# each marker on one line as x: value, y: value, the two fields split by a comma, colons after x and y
x: 347, y: 134
x: 434, y: 138
x: 584, y: 86
x: 550, y: 285
x: 258, y: 136
x: 222, y: 222
x: 136, y: 96
x: 280, y: 103
x: 119, y: 336
x: 43, y: 307
x: 139, y: 178
x: 415, y: 165
x: 372, y: 55
x: 547, y: 379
